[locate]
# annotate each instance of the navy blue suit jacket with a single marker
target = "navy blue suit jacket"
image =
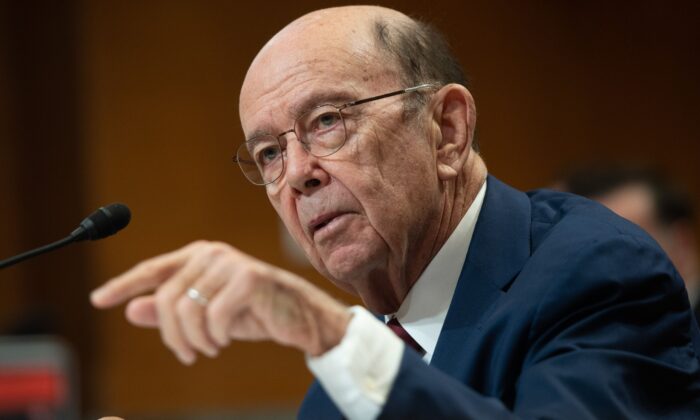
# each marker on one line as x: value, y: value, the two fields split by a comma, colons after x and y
x: 562, y: 310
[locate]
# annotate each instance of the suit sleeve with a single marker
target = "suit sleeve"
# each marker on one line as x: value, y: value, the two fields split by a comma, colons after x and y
x: 611, y: 336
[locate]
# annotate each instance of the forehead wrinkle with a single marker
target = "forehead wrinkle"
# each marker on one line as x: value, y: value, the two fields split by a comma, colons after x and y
x: 279, y: 70
x: 266, y: 101
x: 270, y: 89
x: 300, y: 88
x: 288, y: 58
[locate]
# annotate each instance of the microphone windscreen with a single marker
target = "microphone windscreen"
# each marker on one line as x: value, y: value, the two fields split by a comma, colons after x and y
x: 106, y: 221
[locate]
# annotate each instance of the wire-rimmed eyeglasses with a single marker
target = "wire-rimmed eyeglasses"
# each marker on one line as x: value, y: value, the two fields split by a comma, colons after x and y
x: 321, y: 131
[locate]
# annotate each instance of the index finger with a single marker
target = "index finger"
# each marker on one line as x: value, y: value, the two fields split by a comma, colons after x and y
x: 144, y: 277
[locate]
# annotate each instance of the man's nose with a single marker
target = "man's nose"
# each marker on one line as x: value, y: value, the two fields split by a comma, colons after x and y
x: 304, y: 174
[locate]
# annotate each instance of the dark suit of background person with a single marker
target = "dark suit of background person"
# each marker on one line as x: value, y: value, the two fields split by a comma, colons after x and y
x: 648, y: 198
x: 545, y: 323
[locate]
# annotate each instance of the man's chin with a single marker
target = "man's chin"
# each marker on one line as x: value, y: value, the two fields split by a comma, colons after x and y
x: 348, y: 263
x: 345, y: 275
x: 359, y: 278
x: 349, y: 266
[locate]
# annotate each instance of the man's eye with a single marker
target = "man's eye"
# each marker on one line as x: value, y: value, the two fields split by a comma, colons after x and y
x: 267, y: 155
x: 327, y: 121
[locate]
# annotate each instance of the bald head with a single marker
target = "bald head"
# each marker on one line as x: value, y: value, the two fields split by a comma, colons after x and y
x: 339, y: 23
x: 348, y: 26
x: 319, y: 35
x: 412, y: 51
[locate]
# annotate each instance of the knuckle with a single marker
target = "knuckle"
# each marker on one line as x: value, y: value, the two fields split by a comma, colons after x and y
x: 250, y: 277
x: 222, y: 246
x: 153, y: 268
x: 163, y: 298
x: 219, y: 270
x: 198, y: 243
x: 247, y: 272
x: 217, y: 322
x: 219, y: 250
x: 185, y: 307
x: 146, y: 268
x: 216, y: 314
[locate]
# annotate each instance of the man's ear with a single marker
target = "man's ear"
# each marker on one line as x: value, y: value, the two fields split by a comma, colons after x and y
x: 454, y: 119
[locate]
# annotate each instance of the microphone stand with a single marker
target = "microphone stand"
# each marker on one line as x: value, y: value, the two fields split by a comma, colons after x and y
x: 103, y: 222
x: 38, y: 251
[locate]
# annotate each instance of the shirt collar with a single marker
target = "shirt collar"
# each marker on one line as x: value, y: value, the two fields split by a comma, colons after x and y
x: 424, y: 309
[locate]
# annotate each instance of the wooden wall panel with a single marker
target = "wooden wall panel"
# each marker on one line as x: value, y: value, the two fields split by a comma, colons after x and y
x: 44, y: 177
x: 10, y: 285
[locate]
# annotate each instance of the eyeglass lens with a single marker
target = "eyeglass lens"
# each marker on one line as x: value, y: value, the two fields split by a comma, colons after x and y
x: 321, y: 132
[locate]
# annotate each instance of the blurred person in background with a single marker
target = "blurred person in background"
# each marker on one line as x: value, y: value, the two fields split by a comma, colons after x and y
x: 649, y: 199
x: 500, y: 304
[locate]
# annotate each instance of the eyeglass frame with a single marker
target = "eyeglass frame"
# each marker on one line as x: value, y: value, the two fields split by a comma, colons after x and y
x: 338, y: 108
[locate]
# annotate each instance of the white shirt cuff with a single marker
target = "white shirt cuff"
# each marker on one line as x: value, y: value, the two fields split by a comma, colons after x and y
x: 358, y: 373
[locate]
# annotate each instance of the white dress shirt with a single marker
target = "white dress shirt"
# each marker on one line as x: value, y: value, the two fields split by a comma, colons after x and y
x: 358, y: 373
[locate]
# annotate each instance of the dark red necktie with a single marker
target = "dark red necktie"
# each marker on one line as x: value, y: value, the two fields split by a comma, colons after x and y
x: 403, y: 334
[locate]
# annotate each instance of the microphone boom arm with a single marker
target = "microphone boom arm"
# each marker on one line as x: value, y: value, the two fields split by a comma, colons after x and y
x: 38, y: 251
x: 103, y: 222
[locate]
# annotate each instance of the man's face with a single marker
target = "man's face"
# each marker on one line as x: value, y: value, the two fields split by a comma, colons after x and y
x: 369, y: 211
x: 635, y: 203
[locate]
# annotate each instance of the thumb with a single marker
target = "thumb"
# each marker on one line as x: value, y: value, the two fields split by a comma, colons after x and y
x: 142, y: 312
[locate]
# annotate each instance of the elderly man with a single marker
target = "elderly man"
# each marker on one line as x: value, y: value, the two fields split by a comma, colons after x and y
x: 361, y: 130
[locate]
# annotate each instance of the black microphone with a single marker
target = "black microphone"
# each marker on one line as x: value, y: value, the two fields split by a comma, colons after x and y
x: 104, y: 222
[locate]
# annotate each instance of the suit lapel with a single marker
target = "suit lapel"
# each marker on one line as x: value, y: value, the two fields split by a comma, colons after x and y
x: 498, y: 250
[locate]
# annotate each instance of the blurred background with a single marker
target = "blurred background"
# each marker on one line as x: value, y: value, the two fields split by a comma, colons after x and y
x: 136, y: 101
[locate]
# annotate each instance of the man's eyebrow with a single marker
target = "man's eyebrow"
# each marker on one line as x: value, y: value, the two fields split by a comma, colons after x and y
x: 255, y: 134
x: 253, y: 141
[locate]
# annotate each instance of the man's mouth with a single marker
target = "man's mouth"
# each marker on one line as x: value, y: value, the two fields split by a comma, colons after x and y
x: 320, y: 222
